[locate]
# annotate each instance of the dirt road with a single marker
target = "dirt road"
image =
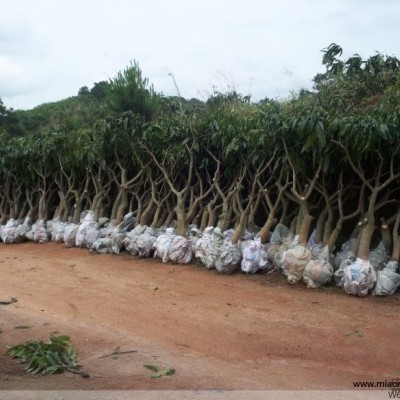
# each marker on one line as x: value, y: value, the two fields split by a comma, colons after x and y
x: 218, y: 332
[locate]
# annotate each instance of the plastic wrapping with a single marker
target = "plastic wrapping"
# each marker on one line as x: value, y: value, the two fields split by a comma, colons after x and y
x: 203, y: 244
x: 387, y: 280
x: 212, y: 253
x: 57, y: 231
x: 229, y: 258
x: 21, y: 231
x: 41, y: 234
x: 117, y: 237
x: 8, y: 232
x: 130, y: 239
x: 194, y: 236
x: 359, y: 278
x: 162, y: 244
x: 280, y: 232
x: 88, y: 231
x: 128, y: 222
x: 70, y: 234
x: 318, y: 271
x: 378, y: 257
x: 345, y: 253
x: 180, y: 250
x: 294, y: 261
x: 247, y: 235
x: 338, y: 275
x: 29, y: 235
x: 145, y: 244
x: 102, y: 246
x: 92, y: 234
x: 80, y: 235
x: 255, y: 257
x: 311, y: 240
x: 275, y: 251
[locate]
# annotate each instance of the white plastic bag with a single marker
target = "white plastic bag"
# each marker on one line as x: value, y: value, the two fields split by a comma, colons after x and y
x: 294, y: 261
x: 387, y: 280
x: 57, y: 231
x: 8, y: 232
x: 229, y: 258
x: 359, y: 278
x: 145, y: 244
x: 212, y: 253
x: 318, y: 272
x: 41, y: 234
x: 255, y: 257
x: 70, y: 232
x: 102, y: 246
x: 162, y: 244
x: 280, y: 232
x: 378, y: 257
x: 180, y: 250
x: 203, y: 244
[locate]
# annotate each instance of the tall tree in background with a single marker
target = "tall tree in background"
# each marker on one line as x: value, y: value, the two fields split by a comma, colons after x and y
x: 130, y: 91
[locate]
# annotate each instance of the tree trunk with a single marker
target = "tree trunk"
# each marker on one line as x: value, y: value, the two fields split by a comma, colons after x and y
x: 204, y: 219
x: 264, y: 232
x: 180, y: 229
x: 319, y: 230
x: 386, y: 236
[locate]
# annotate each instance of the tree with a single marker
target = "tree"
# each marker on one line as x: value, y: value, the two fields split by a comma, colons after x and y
x: 84, y: 91
x: 130, y: 91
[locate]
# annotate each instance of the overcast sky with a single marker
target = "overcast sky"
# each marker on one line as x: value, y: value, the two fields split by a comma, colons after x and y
x: 51, y: 48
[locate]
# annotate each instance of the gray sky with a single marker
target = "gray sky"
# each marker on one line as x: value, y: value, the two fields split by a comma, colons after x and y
x: 51, y: 48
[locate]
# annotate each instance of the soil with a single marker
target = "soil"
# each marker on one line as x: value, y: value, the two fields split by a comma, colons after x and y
x: 218, y: 332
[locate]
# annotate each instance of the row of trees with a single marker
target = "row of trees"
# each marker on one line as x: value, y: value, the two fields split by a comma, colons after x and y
x: 327, y: 159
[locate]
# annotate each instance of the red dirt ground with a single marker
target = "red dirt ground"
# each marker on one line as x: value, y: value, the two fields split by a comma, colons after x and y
x: 218, y: 332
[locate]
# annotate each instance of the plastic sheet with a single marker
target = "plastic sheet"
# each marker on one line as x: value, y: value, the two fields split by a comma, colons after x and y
x: 294, y: 261
x: 318, y: 271
x: 359, y: 278
x: 229, y: 258
x: 203, y: 244
x: 92, y: 234
x: 212, y: 253
x: 180, y: 250
x: 57, y: 231
x: 22, y: 230
x: 194, y: 236
x: 117, y: 237
x: 128, y: 222
x: 387, y: 280
x: 378, y: 257
x: 88, y: 231
x: 162, y: 244
x: 130, y: 239
x: 345, y: 253
x: 145, y: 244
x: 70, y: 234
x: 280, y: 232
x: 41, y: 235
x: 102, y: 246
x: 8, y: 232
x: 255, y: 257
x: 338, y: 275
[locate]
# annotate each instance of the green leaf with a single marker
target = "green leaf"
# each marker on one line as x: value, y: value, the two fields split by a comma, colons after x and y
x: 164, y: 372
x: 48, y: 357
x: 152, y: 367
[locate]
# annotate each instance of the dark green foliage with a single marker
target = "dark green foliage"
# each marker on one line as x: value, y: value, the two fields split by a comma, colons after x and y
x: 130, y: 91
x: 47, y: 358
